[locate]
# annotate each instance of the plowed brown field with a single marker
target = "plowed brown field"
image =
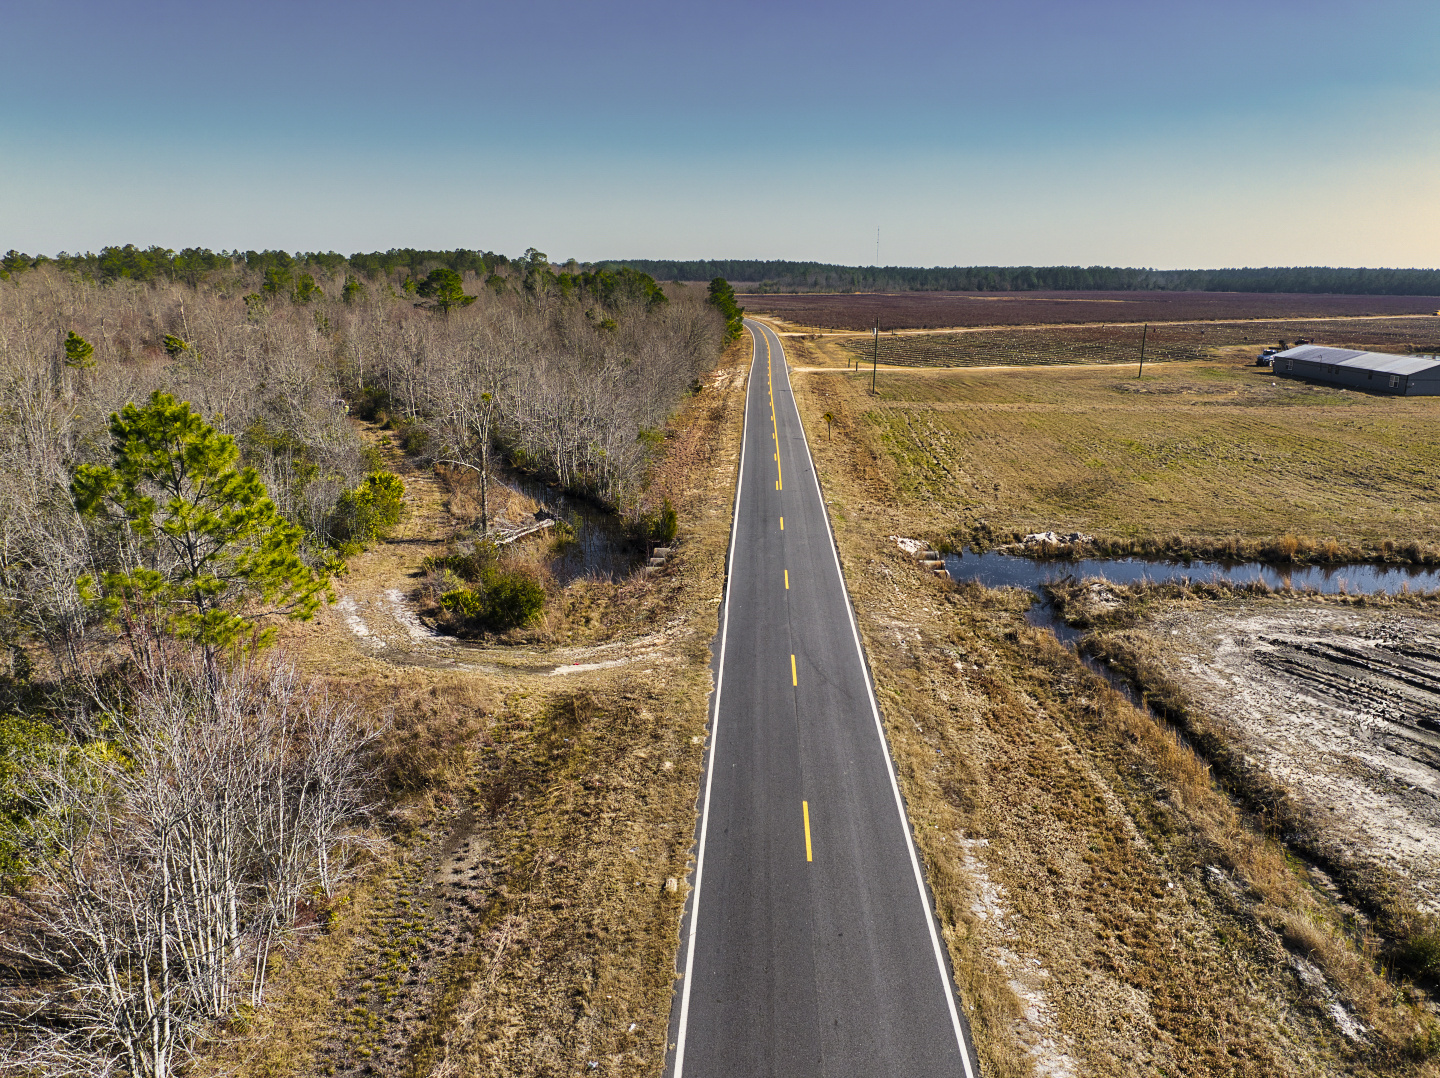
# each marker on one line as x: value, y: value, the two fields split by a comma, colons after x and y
x: 936, y: 310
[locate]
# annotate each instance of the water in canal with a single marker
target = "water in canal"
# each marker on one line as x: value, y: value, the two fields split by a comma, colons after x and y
x: 601, y: 549
x: 997, y: 570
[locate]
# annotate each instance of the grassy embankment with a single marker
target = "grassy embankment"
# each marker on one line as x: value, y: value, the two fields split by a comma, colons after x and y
x: 522, y: 917
x: 1102, y: 898
x: 1211, y: 458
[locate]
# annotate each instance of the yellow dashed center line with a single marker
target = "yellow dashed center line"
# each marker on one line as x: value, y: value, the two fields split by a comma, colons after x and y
x: 805, y: 808
x: 782, y: 524
x: 774, y: 423
x: 793, y: 680
x: 787, y: 579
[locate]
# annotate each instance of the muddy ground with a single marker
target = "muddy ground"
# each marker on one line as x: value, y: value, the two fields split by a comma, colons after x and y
x: 1341, y: 706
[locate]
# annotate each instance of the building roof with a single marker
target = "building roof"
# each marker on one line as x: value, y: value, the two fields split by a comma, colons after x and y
x: 1379, y: 362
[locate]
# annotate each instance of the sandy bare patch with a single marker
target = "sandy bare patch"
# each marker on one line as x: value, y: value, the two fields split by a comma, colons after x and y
x: 1340, y: 706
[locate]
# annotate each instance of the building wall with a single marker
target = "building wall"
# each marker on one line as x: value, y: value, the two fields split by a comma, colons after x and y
x: 1424, y: 384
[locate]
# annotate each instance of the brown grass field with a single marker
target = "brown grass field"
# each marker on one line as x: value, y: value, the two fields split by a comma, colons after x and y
x: 1209, y: 450
x: 1171, y: 342
x: 934, y: 310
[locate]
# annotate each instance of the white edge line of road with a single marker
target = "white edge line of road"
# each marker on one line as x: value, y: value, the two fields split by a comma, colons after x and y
x: 714, y: 727
x: 884, y: 744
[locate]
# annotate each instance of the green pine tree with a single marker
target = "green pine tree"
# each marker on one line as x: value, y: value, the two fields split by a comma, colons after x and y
x: 446, y: 289
x: 722, y: 297
x: 209, y: 552
x: 79, y: 353
x: 306, y: 289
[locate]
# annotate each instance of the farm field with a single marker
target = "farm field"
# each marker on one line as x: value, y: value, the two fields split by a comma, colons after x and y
x: 936, y: 310
x: 1214, y: 450
x: 1045, y: 345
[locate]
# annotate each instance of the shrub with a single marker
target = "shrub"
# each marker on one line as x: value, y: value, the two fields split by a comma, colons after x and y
x: 500, y: 597
x: 1420, y: 951
x: 464, y: 603
x: 562, y: 535
x: 25, y: 746
x: 371, y: 510
x: 414, y: 437
x: 370, y: 401
x: 659, y: 526
x: 513, y: 599
x: 507, y: 599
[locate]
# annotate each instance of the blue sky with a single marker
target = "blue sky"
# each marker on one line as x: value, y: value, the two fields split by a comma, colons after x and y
x: 1030, y: 132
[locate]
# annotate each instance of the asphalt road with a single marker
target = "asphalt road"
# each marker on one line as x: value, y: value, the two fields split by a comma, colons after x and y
x: 809, y: 947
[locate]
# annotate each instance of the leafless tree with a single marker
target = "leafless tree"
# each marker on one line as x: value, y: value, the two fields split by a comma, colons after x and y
x: 466, y: 394
x: 175, y: 862
x: 575, y: 390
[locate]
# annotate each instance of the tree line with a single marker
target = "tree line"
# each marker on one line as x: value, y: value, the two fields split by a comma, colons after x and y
x: 784, y: 276
x: 192, y: 264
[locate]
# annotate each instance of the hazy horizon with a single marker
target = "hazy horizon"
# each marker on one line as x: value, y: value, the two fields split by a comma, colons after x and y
x: 1116, y: 133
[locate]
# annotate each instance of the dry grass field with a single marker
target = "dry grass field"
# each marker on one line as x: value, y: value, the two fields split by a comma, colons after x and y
x: 932, y: 310
x: 1109, y: 909
x: 1211, y: 451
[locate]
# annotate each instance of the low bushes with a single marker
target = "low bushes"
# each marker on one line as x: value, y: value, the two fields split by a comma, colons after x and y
x: 481, y: 591
x: 370, y: 511
x: 1287, y: 549
x: 657, y: 527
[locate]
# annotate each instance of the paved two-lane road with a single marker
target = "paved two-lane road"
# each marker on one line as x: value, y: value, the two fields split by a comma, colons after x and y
x: 809, y: 948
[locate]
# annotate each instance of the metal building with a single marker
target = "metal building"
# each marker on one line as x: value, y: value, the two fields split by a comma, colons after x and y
x: 1373, y: 372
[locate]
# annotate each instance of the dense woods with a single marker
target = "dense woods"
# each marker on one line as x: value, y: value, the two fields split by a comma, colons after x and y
x: 184, y: 466
x: 782, y: 276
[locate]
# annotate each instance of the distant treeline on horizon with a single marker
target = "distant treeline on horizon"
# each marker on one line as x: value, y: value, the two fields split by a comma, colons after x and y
x: 193, y: 263
x: 779, y: 276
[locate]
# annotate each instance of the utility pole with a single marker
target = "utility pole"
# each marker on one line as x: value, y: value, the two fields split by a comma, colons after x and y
x: 875, y: 359
x: 1143, y: 334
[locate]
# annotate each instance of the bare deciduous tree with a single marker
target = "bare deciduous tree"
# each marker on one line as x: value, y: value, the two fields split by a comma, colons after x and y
x: 176, y: 861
